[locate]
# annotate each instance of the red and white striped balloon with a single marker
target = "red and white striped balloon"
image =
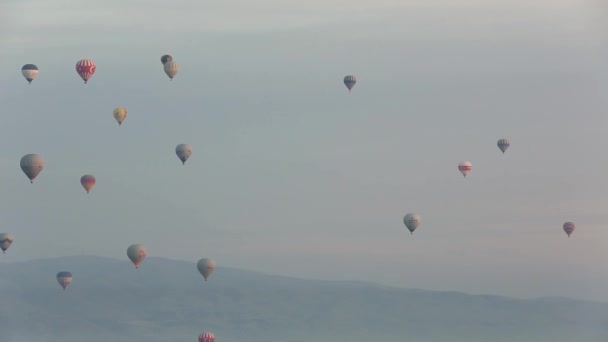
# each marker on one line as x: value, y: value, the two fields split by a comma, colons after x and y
x: 465, y: 167
x: 85, y: 68
x: 206, y: 337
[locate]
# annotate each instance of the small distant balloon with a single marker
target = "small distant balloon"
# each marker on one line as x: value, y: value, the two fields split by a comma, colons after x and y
x: 6, y: 240
x: 32, y: 165
x: 205, y: 267
x: 206, y: 337
x: 171, y: 69
x: 29, y: 71
x: 412, y: 221
x: 85, y: 68
x: 465, y: 167
x: 183, y: 151
x: 569, y: 228
x: 87, y: 182
x: 120, y: 114
x: 166, y: 58
x: 350, y: 81
x: 64, y: 279
x: 136, y: 254
x: 503, y: 144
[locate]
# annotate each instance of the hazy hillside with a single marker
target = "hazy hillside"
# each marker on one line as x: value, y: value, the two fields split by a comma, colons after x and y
x: 168, y: 300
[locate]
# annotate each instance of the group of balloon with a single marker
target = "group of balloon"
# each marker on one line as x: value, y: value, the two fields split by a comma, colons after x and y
x: 32, y: 165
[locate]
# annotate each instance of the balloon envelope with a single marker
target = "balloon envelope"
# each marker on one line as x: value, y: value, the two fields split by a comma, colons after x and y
x: 569, y: 228
x: 171, y: 69
x: 465, y: 167
x: 85, y: 68
x: 205, y: 267
x: 64, y: 279
x: 412, y: 221
x: 136, y: 254
x: 206, y: 337
x: 32, y: 165
x: 6, y: 240
x: 503, y: 144
x: 120, y: 114
x: 165, y: 58
x: 87, y: 182
x: 29, y: 71
x: 350, y: 81
x: 183, y: 151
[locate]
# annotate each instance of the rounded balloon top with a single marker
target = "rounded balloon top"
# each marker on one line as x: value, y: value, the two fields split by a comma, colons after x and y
x: 85, y: 69
x: 120, y: 114
x: 503, y: 144
x: 205, y: 266
x: 88, y: 182
x: 32, y: 165
x: 136, y: 254
x: 569, y: 228
x: 465, y: 167
x: 6, y: 239
x: 64, y: 274
x: 183, y: 151
x: 64, y: 279
x: 206, y: 337
x: 29, y: 67
x: 171, y: 69
x: 29, y: 71
x: 166, y: 58
x: 350, y: 81
x: 411, y: 221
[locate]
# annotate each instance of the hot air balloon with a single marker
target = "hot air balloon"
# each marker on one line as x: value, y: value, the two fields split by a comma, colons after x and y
x: 465, y: 168
x: 206, y: 337
x: 411, y: 221
x: 350, y: 81
x: 64, y: 279
x: 183, y: 152
x: 6, y: 240
x: 120, y: 114
x: 29, y: 71
x: 136, y: 254
x: 503, y: 144
x: 171, y: 68
x: 32, y: 164
x: 165, y: 58
x: 87, y: 182
x: 569, y: 228
x: 85, y: 68
x: 205, y: 267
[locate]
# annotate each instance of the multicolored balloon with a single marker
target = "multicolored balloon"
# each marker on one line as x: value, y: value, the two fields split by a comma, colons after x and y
x: 120, y: 114
x: 165, y: 58
x: 136, y: 253
x: 465, y: 167
x: 171, y: 69
x: 29, y: 71
x: 32, y: 165
x: 503, y: 144
x: 183, y: 151
x: 412, y: 221
x: 85, y: 68
x: 350, y: 81
x: 206, y: 337
x: 569, y: 228
x: 6, y: 240
x: 205, y: 267
x: 87, y: 182
x: 64, y: 279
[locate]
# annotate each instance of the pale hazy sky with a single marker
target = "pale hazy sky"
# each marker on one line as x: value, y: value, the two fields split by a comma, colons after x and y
x: 293, y: 175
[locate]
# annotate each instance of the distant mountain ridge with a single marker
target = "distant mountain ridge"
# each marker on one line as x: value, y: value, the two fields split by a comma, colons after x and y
x: 167, y: 300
